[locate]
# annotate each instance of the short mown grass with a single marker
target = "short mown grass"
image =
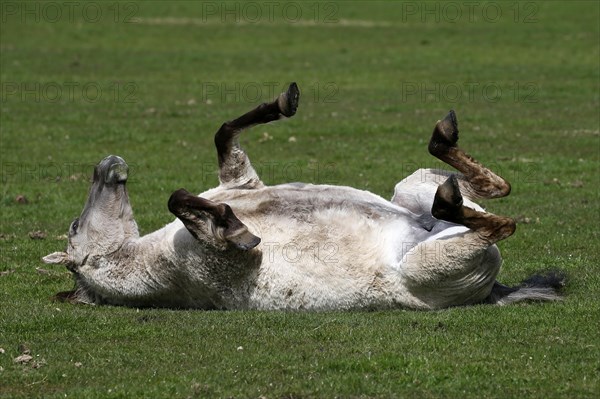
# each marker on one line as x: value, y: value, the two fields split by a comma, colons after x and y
x: 375, y: 77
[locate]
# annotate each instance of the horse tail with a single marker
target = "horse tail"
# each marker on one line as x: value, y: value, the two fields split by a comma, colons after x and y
x: 539, y: 287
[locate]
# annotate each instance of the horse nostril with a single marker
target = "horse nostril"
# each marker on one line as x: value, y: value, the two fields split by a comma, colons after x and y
x: 113, y: 169
x: 117, y: 173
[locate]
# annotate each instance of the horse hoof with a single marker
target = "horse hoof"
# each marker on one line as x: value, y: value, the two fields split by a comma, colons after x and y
x: 448, y: 201
x: 445, y: 135
x: 288, y: 101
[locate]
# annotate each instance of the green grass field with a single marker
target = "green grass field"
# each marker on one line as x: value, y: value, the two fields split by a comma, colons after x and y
x: 153, y: 81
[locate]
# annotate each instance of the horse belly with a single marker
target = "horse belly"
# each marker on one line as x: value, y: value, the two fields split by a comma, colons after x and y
x: 342, y: 264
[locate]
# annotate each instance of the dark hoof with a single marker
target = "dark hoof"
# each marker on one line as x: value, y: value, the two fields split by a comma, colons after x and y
x: 445, y: 135
x: 448, y: 201
x: 288, y: 101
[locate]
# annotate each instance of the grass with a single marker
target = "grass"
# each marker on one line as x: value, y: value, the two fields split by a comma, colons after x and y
x: 375, y: 78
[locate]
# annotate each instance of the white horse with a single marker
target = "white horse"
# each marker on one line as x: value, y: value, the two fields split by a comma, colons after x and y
x: 245, y: 245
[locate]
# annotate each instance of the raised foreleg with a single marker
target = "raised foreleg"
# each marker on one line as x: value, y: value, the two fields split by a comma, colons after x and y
x: 235, y: 169
x: 476, y: 181
x: 211, y: 223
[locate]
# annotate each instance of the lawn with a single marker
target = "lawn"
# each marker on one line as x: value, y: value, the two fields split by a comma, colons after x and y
x: 152, y: 81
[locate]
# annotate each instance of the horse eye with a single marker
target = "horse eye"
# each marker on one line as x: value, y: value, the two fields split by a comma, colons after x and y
x: 74, y: 226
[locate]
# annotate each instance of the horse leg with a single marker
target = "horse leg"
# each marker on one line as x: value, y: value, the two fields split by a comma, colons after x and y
x: 476, y: 181
x: 448, y: 206
x: 235, y: 169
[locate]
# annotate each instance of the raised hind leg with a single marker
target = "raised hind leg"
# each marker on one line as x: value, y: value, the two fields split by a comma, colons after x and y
x: 462, y: 275
x: 453, y: 268
x: 416, y: 191
x: 448, y: 206
x: 477, y: 180
x: 235, y: 169
x: 456, y: 266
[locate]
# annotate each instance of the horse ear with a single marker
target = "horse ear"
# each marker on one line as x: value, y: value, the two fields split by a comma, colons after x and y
x: 195, y: 212
x: 56, y: 258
